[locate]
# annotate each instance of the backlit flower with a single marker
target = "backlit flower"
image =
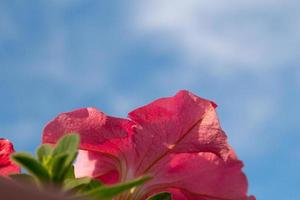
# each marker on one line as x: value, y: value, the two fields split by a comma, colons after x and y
x: 6, y: 165
x: 176, y: 140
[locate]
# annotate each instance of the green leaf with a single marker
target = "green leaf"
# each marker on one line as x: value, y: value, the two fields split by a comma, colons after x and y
x: 81, y: 185
x: 60, y: 166
x: 68, y: 143
x: 107, y: 192
x: 93, y: 185
x: 31, y: 165
x: 23, y: 178
x: 44, y: 153
x: 62, y: 158
x: 70, y: 174
x: 71, y: 184
x: 161, y: 196
x: 57, y: 169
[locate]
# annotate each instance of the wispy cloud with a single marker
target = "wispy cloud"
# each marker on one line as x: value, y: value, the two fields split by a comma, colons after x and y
x: 231, y: 36
x: 59, y: 55
x: 220, y: 45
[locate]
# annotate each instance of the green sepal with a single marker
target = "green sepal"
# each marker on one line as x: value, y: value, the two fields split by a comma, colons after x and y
x: 81, y: 185
x: 44, y: 153
x: 67, y: 144
x: 92, y: 185
x: 62, y: 158
x: 71, y: 184
x: 70, y: 174
x: 57, y: 169
x: 107, y: 192
x: 161, y: 196
x: 31, y: 165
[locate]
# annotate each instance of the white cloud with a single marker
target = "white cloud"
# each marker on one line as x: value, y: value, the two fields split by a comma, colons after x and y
x: 230, y: 35
x: 246, y: 126
x: 226, y: 40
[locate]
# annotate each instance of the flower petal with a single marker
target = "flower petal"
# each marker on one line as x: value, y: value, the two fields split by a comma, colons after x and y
x: 177, y: 140
x: 97, y: 165
x: 106, y: 138
x: 183, y: 123
x: 201, y: 176
x: 98, y: 132
x: 6, y: 165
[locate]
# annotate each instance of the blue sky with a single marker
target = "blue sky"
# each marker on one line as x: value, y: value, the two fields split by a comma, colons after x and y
x: 59, y: 55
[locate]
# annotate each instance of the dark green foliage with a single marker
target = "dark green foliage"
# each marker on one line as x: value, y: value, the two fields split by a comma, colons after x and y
x: 32, y: 165
x: 161, y: 196
x: 54, y: 166
x: 107, y: 192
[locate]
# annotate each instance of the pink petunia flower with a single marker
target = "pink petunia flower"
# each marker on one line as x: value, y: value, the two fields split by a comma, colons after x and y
x: 6, y: 165
x: 176, y: 140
